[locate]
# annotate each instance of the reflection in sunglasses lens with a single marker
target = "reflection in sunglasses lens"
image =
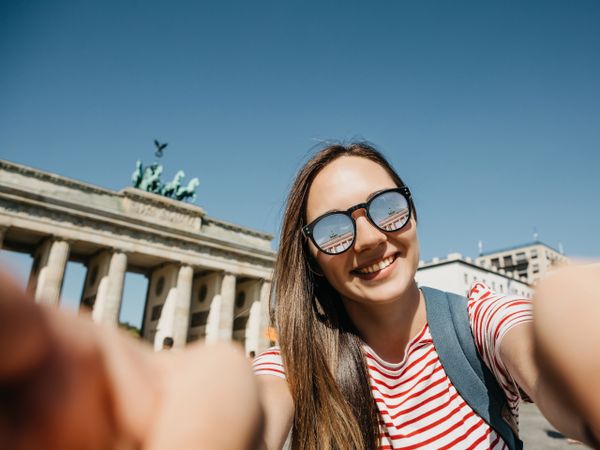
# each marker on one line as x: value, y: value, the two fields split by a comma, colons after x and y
x: 389, y: 211
x: 334, y: 233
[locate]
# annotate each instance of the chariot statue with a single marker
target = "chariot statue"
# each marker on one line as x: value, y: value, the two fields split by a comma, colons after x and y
x: 149, y: 179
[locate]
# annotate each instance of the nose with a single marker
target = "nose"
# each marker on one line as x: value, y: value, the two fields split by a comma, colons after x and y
x: 367, y: 235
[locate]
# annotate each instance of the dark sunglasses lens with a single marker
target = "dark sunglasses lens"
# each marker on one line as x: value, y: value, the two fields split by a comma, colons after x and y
x: 333, y: 233
x: 389, y: 211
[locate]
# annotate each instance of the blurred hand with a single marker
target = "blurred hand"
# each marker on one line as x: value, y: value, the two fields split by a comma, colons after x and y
x: 567, y: 335
x: 66, y: 383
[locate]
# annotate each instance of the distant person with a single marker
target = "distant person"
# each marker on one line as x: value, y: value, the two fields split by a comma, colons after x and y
x: 167, y: 343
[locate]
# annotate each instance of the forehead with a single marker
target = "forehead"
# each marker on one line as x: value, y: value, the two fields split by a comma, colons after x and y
x: 343, y: 183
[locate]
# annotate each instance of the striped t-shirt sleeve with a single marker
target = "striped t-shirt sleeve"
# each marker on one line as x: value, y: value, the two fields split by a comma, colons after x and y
x: 269, y: 362
x: 492, y: 316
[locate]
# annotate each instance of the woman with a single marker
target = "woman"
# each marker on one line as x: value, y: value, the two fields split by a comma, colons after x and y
x: 344, y: 312
x: 356, y: 366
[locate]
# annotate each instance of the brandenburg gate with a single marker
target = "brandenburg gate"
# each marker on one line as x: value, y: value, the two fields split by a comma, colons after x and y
x: 207, y: 279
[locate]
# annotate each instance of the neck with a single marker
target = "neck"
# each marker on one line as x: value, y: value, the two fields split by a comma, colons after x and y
x: 387, y: 328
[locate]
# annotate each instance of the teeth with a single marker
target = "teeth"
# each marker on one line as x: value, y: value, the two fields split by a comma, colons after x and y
x: 377, y: 266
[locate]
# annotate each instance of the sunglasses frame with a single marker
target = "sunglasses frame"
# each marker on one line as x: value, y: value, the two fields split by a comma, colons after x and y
x: 307, y: 230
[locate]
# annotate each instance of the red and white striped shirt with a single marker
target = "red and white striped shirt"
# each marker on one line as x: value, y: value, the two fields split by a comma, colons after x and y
x: 419, y: 406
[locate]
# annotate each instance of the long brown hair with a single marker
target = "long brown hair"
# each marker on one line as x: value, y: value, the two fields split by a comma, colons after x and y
x: 322, y: 352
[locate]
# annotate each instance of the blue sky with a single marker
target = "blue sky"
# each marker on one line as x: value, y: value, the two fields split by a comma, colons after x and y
x: 490, y: 111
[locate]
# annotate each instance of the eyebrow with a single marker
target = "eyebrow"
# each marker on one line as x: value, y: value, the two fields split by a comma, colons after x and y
x: 369, y: 197
x: 375, y: 193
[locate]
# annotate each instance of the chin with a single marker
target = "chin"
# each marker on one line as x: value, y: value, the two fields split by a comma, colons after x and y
x: 384, y: 294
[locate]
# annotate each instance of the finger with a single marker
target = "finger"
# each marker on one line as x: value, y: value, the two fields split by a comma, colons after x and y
x: 210, y: 401
x: 53, y: 389
x: 23, y: 330
x: 135, y: 378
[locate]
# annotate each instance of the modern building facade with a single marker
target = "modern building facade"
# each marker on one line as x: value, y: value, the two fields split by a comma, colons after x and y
x: 208, y: 279
x: 457, y: 274
x: 530, y: 261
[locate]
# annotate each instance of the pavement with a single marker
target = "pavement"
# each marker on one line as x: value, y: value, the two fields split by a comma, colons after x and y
x: 538, y: 434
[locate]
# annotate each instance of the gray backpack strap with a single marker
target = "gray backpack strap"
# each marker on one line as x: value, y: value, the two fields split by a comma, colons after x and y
x: 450, y: 329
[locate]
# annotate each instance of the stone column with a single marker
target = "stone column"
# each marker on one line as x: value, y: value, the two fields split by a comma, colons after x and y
x: 175, y: 315
x: 110, y: 290
x: 220, y: 319
x: 264, y: 319
x: 181, y: 314
x: 52, y: 260
x: 258, y: 322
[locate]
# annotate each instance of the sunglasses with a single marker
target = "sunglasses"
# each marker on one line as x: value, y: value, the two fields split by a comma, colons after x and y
x: 335, y: 232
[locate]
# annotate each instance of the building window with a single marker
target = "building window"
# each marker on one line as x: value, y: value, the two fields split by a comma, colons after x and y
x: 536, y: 268
x: 240, y: 299
x: 160, y: 285
x: 508, y: 262
x: 93, y: 276
x: 496, y: 262
x: 156, y: 311
x: 202, y: 293
x: 199, y: 319
x: 534, y: 253
x: 521, y: 257
x: 240, y: 323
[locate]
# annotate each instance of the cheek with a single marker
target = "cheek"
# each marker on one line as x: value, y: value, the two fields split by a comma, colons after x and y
x: 412, y: 241
x: 332, y: 267
x: 408, y: 238
x: 320, y: 259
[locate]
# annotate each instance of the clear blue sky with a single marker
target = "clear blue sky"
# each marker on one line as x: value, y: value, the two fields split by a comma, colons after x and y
x: 489, y: 110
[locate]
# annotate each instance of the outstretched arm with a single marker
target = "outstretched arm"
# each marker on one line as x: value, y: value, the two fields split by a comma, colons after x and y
x: 555, y: 359
x: 567, y: 336
x: 278, y: 408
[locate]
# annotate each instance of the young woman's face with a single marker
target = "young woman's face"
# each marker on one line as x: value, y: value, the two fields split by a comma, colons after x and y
x: 343, y: 183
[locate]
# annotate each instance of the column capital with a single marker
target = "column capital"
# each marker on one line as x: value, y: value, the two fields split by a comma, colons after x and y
x: 57, y: 237
x: 119, y: 250
x: 186, y: 266
x: 110, y: 250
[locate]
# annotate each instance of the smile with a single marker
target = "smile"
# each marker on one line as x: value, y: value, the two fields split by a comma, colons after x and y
x: 376, y: 267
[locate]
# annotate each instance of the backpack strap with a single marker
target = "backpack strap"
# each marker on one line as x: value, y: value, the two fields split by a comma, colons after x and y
x: 452, y: 336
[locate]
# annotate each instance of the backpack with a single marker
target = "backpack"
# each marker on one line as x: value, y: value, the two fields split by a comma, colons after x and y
x: 450, y: 329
